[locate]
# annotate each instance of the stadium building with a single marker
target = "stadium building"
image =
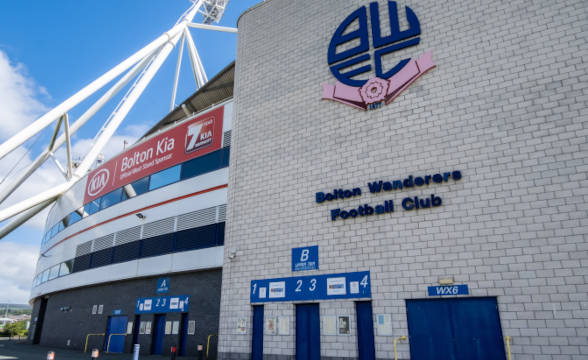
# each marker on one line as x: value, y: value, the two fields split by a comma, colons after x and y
x: 407, y: 180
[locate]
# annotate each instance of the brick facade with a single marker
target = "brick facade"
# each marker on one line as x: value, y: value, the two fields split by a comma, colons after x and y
x: 506, y: 105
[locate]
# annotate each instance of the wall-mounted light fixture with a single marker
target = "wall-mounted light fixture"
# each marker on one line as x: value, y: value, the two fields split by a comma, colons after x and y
x: 141, y: 216
x: 233, y: 253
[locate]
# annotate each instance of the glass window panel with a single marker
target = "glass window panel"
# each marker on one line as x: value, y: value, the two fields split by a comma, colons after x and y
x: 165, y: 177
x: 44, y: 276
x: 141, y: 186
x: 65, y: 268
x: 60, y: 226
x: 111, y: 198
x: 52, y: 232
x: 54, y: 272
x: 74, y: 217
x: 203, y: 164
x: 92, y: 207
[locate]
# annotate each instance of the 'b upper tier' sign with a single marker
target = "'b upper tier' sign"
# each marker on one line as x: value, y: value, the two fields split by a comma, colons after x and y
x: 194, y: 138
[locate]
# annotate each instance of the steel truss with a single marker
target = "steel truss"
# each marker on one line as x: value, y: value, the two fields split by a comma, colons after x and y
x: 142, y: 67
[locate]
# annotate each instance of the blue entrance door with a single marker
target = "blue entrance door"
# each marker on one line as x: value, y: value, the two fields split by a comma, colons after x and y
x: 158, y: 333
x: 257, y: 340
x: 454, y: 329
x: 308, y: 337
x: 116, y: 329
x: 365, y: 330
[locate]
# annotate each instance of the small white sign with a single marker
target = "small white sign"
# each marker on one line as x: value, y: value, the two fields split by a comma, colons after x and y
x: 354, y: 287
x: 182, y: 304
x: 270, y: 326
x: 262, y: 292
x: 143, y: 327
x: 94, y: 309
x: 283, y: 325
x: 147, y: 305
x: 242, y: 326
x: 130, y: 327
x: 148, y: 328
x: 168, y: 327
x: 343, y: 325
x: 329, y: 325
x: 336, y: 286
x: 100, y: 309
x: 175, y: 327
x: 191, y: 327
x: 277, y: 289
x: 384, y: 324
x: 174, y: 303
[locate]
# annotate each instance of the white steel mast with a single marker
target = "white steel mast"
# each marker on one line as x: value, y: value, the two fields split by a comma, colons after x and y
x: 142, y: 67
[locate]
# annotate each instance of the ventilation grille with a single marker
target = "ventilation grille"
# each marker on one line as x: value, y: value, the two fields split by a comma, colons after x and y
x: 84, y: 248
x: 222, y: 213
x: 227, y: 138
x: 128, y: 235
x: 103, y: 242
x: 158, y: 227
x: 197, y: 218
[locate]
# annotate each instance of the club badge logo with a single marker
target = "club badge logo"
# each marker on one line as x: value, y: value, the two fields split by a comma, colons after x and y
x: 350, y: 56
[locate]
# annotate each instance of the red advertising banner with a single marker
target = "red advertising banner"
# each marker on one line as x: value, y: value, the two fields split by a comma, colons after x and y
x: 191, y: 139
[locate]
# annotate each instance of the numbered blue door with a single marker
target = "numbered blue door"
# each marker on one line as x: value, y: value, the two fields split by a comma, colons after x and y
x: 158, y: 333
x: 114, y: 341
x: 257, y: 340
x: 455, y: 329
x: 308, y: 337
x: 365, y: 330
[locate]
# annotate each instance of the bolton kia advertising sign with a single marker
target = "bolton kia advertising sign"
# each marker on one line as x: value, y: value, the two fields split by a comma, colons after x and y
x: 194, y: 138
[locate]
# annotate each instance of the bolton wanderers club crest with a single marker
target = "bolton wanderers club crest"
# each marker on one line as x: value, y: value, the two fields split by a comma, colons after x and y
x: 348, y: 63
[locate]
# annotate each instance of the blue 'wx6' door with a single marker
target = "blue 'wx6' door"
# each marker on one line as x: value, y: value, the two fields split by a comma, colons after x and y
x: 454, y: 329
x: 308, y: 337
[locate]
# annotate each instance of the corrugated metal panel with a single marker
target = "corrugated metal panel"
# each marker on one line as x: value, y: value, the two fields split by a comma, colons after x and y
x: 158, y: 227
x: 222, y: 213
x: 84, y: 248
x: 128, y: 235
x: 197, y: 218
x: 227, y: 138
x: 103, y: 242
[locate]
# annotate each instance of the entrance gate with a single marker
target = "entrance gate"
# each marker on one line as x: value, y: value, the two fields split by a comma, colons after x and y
x: 454, y: 329
x: 308, y: 338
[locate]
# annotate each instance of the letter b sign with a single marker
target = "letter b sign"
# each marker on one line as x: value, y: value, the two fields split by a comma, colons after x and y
x: 304, y: 255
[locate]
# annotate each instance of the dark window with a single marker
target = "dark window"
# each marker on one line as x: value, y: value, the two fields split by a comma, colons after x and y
x: 112, y: 198
x: 141, y: 186
x: 101, y: 258
x: 207, y: 163
x: 82, y: 263
x: 66, y: 268
x: 92, y: 207
x: 126, y: 252
x: 164, y: 177
x: 158, y: 245
x: 196, y: 238
x: 74, y: 217
x: 220, y: 234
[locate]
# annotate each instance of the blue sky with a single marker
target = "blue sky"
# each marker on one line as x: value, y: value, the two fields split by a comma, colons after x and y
x: 51, y: 49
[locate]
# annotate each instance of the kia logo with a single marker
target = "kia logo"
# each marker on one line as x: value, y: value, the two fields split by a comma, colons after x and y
x: 98, y: 182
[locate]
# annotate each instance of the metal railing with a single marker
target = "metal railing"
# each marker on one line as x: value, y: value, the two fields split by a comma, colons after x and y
x: 508, y: 340
x: 110, y: 337
x: 88, y: 337
x: 208, y: 343
x: 403, y: 337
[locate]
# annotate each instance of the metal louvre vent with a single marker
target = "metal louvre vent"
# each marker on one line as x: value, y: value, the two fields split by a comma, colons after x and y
x: 128, y: 235
x: 103, y: 242
x: 158, y: 227
x: 197, y: 218
x: 84, y: 248
x: 222, y: 213
x: 227, y: 138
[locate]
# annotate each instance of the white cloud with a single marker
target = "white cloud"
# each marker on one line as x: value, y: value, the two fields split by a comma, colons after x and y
x: 17, y: 262
x: 19, y: 104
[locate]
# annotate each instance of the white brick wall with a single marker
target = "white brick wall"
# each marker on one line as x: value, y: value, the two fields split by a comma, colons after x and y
x: 506, y: 105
